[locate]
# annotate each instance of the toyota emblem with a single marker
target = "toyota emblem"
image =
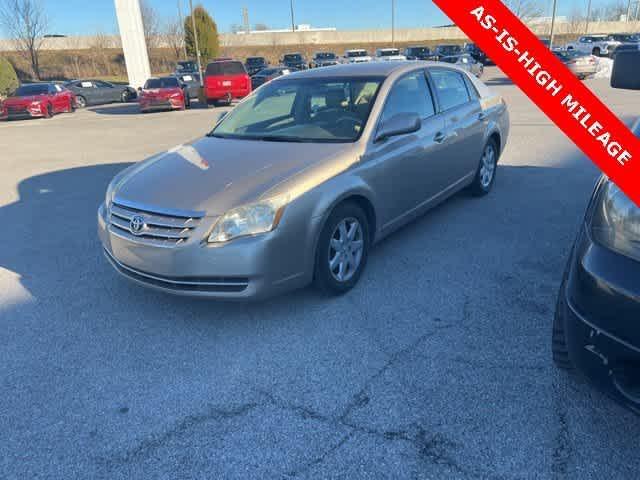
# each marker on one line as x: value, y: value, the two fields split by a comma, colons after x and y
x: 137, y: 224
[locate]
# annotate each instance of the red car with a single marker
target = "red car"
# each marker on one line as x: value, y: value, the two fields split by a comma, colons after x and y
x: 161, y: 94
x: 225, y: 80
x: 38, y: 100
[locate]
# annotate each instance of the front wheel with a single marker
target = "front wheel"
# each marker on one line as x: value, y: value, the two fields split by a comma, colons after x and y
x: 486, y: 173
x: 596, y: 51
x: 81, y: 102
x: 124, y: 98
x: 342, y: 250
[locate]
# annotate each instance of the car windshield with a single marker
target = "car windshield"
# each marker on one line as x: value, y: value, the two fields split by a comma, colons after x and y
x: 325, y: 56
x: 167, y: 82
x: 292, y: 57
x: 29, y: 90
x: 319, y: 110
x: 625, y: 38
x: 188, y: 66
x: 449, y: 49
x: 255, y: 61
x: 389, y: 52
x: 419, y: 51
x: 356, y: 53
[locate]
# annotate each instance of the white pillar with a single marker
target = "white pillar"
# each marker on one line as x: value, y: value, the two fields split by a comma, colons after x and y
x: 133, y: 41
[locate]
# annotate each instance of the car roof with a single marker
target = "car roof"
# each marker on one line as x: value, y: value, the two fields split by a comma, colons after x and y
x: 368, y: 69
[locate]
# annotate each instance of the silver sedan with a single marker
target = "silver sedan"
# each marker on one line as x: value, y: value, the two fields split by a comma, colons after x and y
x: 300, y: 179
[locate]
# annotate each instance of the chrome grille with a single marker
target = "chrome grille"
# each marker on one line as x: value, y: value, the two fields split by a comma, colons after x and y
x: 158, y: 228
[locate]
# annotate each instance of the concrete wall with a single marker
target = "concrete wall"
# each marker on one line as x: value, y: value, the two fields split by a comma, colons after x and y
x: 337, y: 37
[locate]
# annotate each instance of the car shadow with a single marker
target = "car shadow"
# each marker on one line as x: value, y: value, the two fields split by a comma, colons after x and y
x: 116, y: 109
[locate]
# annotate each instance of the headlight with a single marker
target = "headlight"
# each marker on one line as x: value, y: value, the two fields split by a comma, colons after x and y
x: 252, y: 219
x: 34, y: 104
x: 176, y: 95
x: 616, y: 222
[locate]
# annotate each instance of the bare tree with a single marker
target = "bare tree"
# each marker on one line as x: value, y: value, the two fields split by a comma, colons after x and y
x: 173, y: 37
x: 525, y: 9
x: 151, y: 24
x: 611, y: 12
x: 26, y: 22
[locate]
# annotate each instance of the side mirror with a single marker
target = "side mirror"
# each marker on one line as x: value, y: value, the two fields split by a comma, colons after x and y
x: 399, y: 124
x: 626, y: 66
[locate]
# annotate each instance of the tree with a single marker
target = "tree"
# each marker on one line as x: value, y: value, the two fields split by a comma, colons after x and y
x: 26, y: 23
x: 150, y: 23
x: 173, y: 37
x: 525, y: 9
x: 207, y: 34
x: 8, y: 78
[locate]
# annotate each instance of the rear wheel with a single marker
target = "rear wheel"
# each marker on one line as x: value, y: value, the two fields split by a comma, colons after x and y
x: 342, y: 250
x: 124, y: 98
x: 49, y: 113
x: 486, y: 173
x: 226, y: 101
x: 187, y: 100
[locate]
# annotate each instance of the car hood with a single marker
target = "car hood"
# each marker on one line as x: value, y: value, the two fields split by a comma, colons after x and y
x: 213, y: 175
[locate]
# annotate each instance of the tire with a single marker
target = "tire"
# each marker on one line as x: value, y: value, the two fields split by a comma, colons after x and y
x: 485, y: 175
x: 72, y: 106
x: 596, y: 51
x: 81, y: 102
x: 335, y: 234
x: 187, y: 100
x: 559, y: 350
x: 49, y: 113
x: 124, y: 98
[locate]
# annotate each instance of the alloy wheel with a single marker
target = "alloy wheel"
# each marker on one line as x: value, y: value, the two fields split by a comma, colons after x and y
x: 488, y: 166
x: 346, y: 249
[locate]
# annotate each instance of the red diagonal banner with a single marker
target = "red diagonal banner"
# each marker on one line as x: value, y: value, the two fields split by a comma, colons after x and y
x: 551, y: 86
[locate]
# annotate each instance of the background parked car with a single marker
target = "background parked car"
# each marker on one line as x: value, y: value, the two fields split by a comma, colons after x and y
x: 187, y: 66
x: 294, y: 60
x: 225, y: 80
x: 389, y: 55
x: 267, y: 74
x: 37, y: 100
x: 596, y: 327
x: 97, y: 92
x: 419, y: 53
x: 191, y: 84
x: 473, y: 50
x: 254, y: 64
x: 323, y: 59
x: 447, y: 51
x: 163, y: 93
x: 583, y: 65
x: 467, y: 62
x: 598, y: 45
x: 357, y: 55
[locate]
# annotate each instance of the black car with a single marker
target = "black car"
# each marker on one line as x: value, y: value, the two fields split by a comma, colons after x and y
x: 447, y: 51
x: 191, y: 84
x: 419, y: 53
x: 473, y: 50
x: 324, y: 59
x: 294, y: 60
x: 187, y: 66
x: 97, y: 92
x: 267, y: 74
x: 596, y: 328
x: 254, y: 64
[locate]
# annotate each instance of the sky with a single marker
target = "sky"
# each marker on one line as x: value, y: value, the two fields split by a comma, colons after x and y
x: 85, y: 17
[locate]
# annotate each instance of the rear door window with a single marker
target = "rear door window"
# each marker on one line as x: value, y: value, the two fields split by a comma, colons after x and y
x: 450, y: 88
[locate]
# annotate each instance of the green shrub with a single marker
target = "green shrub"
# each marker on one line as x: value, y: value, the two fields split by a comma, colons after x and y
x: 208, y: 41
x: 8, y: 78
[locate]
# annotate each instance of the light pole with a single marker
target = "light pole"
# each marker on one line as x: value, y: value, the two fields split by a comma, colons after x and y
x: 553, y: 23
x: 293, y: 21
x: 202, y: 100
x: 393, y: 23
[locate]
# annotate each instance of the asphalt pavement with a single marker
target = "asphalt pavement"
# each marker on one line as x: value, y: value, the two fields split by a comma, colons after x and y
x: 437, y: 365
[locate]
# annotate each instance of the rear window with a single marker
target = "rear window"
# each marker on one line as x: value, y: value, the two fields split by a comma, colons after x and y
x: 28, y: 90
x: 389, y: 52
x: 167, y: 82
x: 255, y: 60
x: 225, y: 68
x: 292, y: 57
x: 418, y: 51
x: 356, y: 53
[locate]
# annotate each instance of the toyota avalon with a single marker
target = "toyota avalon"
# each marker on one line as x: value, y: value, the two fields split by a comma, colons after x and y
x: 301, y: 178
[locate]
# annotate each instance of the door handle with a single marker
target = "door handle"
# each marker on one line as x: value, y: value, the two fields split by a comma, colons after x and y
x: 439, y: 137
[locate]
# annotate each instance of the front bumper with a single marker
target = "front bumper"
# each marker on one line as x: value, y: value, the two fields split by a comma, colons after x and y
x: 245, y: 268
x: 601, y: 310
x: 172, y: 104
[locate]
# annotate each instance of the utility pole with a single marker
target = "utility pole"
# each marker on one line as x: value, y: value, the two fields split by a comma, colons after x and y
x: 629, y: 11
x: 393, y: 23
x: 202, y: 100
x: 293, y: 21
x: 586, y: 28
x: 553, y: 23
